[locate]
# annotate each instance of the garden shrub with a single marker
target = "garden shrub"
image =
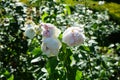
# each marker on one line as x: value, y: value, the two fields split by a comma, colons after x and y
x: 22, y: 58
x: 112, y: 7
x: 116, y: 1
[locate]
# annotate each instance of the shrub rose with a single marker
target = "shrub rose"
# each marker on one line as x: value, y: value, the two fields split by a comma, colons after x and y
x: 50, y: 46
x: 73, y: 36
x: 49, y: 30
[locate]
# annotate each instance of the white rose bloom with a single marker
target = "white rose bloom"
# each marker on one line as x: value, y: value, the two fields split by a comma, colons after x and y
x: 73, y: 36
x: 29, y: 29
x: 29, y: 32
x: 49, y: 30
x: 50, y: 46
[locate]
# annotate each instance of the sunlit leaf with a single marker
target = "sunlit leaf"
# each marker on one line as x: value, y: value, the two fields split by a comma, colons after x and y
x: 67, y: 10
x: 11, y: 77
x: 44, y: 16
x: 78, y: 75
x: 36, y: 51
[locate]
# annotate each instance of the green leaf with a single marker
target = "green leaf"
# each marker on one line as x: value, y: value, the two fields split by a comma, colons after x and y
x: 85, y: 48
x: 66, y: 58
x: 44, y: 16
x: 36, y: 51
x: 50, y: 66
x: 78, y: 75
x: 11, y: 77
x: 68, y: 10
x: 104, y: 64
x: 6, y: 73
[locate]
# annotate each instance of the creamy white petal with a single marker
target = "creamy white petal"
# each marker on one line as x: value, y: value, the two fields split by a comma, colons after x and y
x: 30, y: 33
x: 73, y: 36
x: 50, y: 46
x: 49, y: 30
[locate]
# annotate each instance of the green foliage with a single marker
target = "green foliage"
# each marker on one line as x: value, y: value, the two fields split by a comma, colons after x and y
x: 78, y: 75
x: 117, y: 1
x: 112, y: 7
x: 22, y: 59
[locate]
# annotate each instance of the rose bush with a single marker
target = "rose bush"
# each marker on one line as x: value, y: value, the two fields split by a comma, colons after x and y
x: 50, y: 40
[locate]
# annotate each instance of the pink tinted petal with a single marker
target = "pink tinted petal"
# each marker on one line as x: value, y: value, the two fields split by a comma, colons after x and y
x: 73, y: 36
x: 49, y: 30
x: 46, y: 33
